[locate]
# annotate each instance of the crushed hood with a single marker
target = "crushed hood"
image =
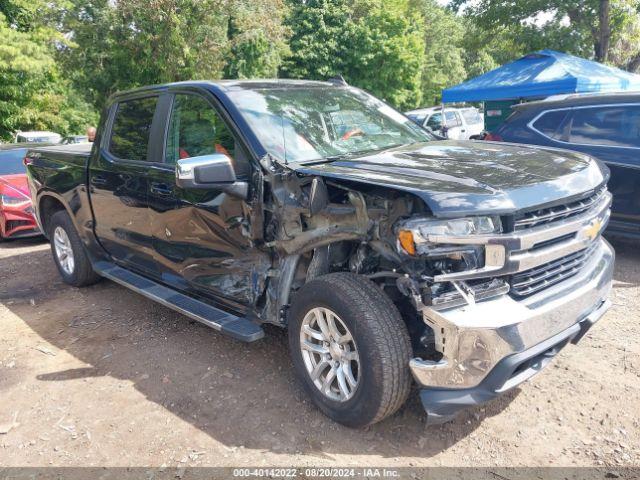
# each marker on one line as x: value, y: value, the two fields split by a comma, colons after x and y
x: 460, y: 177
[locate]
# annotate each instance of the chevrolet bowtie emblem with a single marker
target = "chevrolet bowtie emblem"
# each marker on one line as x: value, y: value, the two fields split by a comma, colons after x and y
x: 593, y: 229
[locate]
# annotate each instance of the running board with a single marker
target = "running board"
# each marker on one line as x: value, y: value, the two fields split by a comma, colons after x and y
x: 226, y: 323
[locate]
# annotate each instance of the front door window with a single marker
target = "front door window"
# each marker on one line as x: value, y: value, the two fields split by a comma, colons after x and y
x: 196, y: 129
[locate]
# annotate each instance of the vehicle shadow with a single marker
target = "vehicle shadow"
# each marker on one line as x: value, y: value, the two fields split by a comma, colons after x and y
x: 13, y: 244
x: 241, y: 395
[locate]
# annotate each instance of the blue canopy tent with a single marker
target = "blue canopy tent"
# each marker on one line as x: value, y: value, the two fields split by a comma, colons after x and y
x: 539, y: 75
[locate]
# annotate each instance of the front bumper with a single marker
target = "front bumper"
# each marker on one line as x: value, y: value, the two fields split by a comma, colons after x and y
x: 16, y: 223
x: 497, y: 344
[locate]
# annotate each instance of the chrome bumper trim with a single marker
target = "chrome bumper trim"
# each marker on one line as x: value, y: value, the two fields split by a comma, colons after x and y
x: 474, y: 339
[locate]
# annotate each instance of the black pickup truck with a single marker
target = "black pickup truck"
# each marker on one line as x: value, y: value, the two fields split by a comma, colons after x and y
x: 388, y: 256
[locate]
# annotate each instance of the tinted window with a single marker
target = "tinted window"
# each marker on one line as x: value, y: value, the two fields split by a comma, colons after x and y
x: 131, y: 128
x: 435, y: 121
x: 417, y: 117
x: 550, y: 123
x: 196, y: 129
x: 11, y: 161
x: 619, y: 126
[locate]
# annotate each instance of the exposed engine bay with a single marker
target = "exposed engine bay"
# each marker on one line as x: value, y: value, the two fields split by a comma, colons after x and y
x: 317, y: 226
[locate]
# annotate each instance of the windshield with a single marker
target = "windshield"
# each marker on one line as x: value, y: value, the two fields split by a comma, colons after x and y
x: 306, y: 124
x: 11, y: 161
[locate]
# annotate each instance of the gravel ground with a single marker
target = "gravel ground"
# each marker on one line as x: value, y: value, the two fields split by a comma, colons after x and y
x: 102, y: 376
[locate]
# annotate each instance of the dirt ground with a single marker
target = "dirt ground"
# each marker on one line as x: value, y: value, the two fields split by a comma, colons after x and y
x: 102, y: 376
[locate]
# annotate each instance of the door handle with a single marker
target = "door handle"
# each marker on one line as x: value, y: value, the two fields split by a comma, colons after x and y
x: 161, y: 189
x: 98, y: 180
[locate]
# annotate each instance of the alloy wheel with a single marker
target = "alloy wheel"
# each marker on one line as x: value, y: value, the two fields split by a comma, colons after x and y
x: 64, y: 251
x: 330, y: 354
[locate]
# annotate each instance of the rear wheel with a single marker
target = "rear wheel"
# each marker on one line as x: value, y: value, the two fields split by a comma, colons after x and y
x: 69, y: 253
x: 350, y: 348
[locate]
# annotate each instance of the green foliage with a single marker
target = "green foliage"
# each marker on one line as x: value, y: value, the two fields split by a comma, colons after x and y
x: 33, y: 93
x: 129, y: 43
x: 256, y: 39
x: 444, y: 63
x: 60, y: 60
x: 121, y: 45
x: 374, y: 45
x: 572, y: 26
x: 321, y: 32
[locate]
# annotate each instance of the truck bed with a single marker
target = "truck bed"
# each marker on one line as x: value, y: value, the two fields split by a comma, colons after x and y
x: 74, y: 154
x: 82, y: 149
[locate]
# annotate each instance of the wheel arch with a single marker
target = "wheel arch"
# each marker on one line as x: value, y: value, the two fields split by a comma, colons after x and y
x: 48, y: 204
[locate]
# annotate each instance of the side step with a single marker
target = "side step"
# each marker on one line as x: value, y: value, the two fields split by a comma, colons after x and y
x: 236, y: 327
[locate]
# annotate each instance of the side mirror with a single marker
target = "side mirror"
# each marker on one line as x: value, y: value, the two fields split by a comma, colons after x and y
x: 210, y: 171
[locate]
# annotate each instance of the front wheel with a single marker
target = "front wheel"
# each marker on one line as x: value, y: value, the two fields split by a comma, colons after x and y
x: 350, y: 348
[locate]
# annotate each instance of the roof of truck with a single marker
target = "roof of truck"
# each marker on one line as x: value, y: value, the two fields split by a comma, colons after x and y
x: 231, y: 85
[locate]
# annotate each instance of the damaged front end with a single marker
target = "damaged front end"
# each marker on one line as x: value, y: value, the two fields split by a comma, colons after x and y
x: 503, y: 295
x: 315, y: 227
x: 480, y: 295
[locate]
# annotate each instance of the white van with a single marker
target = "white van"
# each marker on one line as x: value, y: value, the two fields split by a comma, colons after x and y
x: 38, y: 137
x: 459, y: 124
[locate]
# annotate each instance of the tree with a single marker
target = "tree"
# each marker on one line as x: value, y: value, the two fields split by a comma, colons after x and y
x: 385, y: 54
x: 33, y: 93
x: 257, y: 39
x: 129, y: 43
x: 588, y: 28
x: 374, y: 45
x: 444, y: 62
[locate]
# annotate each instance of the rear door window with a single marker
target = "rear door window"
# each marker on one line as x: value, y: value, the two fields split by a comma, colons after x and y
x: 551, y: 124
x: 610, y: 126
x: 453, y: 119
x: 471, y: 116
x: 131, y: 128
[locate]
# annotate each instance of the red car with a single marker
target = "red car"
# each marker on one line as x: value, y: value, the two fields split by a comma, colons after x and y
x: 16, y: 212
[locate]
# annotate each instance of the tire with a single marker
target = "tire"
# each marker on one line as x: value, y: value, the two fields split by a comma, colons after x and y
x: 380, y: 341
x: 80, y: 273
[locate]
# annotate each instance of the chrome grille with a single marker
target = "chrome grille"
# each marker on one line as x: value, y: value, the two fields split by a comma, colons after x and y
x: 531, y: 281
x: 544, y: 216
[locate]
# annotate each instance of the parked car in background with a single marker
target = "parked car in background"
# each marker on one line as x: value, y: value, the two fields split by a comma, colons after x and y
x: 71, y: 139
x: 16, y: 212
x: 459, y: 123
x: 38, y: 137
x: 605, y: 126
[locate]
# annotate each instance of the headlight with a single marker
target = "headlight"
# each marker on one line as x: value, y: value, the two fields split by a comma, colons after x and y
x: 418, y: 231
x: 461, y: 226
x: 13, y: 201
